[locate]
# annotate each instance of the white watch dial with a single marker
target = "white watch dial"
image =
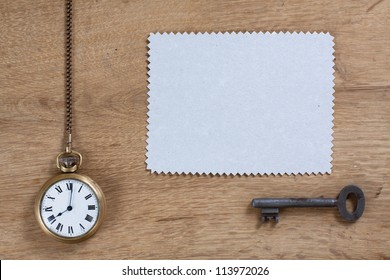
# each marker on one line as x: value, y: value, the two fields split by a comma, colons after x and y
x: 69, y: 208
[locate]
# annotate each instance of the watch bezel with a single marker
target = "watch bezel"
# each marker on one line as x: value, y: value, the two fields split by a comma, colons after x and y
x: 100, y: 198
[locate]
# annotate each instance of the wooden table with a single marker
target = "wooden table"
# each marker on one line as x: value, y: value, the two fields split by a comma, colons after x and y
x: 175, y: 216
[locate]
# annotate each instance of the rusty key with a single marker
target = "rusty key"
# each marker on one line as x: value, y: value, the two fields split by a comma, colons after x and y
x: 270, y: 206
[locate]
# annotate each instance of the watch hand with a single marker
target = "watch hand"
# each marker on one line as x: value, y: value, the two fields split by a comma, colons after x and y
x: 71, y: 196
x: 59, y: 214
x: 69, y: 208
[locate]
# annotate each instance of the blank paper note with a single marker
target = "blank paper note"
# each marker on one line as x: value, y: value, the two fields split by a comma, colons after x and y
x: 240, y: 103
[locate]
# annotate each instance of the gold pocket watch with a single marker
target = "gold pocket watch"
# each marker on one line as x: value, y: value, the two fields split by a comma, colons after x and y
x: 69, y: 207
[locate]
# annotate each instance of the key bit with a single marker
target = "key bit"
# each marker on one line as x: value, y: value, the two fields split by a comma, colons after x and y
x: 270, y: 206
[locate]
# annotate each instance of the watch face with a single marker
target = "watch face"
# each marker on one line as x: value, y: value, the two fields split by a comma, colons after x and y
x: 70, y: 208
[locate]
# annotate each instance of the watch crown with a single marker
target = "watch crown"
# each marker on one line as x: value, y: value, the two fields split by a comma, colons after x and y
x: 69, y: 162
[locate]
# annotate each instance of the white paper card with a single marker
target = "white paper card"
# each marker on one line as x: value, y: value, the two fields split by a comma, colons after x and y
x: 240, y: 103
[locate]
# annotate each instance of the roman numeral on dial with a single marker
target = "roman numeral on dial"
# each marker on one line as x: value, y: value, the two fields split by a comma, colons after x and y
x: 59, y: 227
x: 88, y: 218
x: 88, y: 196
x: 91, y: 207
x: 81, y: 227
x: 70, y: 229
x: 58, y: 188
x: 51, y: 219
x: 49, y: 209
x: 69, y: 186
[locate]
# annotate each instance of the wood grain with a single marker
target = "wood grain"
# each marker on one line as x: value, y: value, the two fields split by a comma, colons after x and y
x: 183, y: 217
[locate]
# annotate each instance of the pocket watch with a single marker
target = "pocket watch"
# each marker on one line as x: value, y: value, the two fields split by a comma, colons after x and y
x: 69, y: 207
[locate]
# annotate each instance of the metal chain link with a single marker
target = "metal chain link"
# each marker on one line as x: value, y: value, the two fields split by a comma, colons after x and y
x: 68, y: 161
x: 68, y: 74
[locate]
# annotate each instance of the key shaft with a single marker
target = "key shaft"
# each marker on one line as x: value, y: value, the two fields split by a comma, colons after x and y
x: 293, y: 202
